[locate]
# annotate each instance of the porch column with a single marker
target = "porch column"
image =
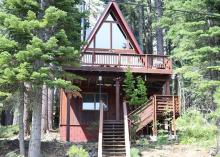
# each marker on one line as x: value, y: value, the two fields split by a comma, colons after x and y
x: 69, y: 97
x: 167, y: 85
x: 117, y: 98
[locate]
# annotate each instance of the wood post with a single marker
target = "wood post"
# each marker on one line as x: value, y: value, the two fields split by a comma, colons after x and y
x: 69, y: 96
x: 155, y: 116
x: 174, y: 116
x: 100, y: 129
x: 167, y: 86
x: 126, y: 130
x: 117, y: 96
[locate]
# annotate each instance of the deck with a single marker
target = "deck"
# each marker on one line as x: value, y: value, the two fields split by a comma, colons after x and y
x: 120, y: 62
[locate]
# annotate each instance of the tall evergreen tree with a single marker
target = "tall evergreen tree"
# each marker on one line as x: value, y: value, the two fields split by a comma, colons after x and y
x: 34, y: 47
x: 193, y: 28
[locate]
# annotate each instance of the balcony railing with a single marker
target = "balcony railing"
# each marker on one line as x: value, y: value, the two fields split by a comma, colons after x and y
x: 108, y: 59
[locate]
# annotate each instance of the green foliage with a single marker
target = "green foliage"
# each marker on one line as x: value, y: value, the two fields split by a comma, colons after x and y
x: 135, y: 90
x: 134, y: 152
x: 12, y: 154
x: 139, y: 96
x: 129, y: 85
x: 195, y: 43
x: 75, y: 151
x: 195, y: 129
x: 8, y: 131
x: 36, y: 43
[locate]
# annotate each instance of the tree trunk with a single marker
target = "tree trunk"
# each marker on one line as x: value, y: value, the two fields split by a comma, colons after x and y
x: 26, y: 114
x: 149, y: 36
x: 16, y: 115
x: 21, y: 124
x: 141, y: 25
x: 44, y: 124
x: 50, y: 108
x: 159, y: 31
x: 35, y: 140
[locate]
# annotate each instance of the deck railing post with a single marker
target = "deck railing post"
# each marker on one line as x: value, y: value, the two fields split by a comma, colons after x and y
x: 93, y: 58
x: 119, y: 59
x: 146, y: 61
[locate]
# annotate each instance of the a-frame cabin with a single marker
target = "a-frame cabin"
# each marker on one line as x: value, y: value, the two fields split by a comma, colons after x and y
x: 101, y: 113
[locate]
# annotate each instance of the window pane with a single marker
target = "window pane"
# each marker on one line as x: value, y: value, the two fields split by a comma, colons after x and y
x: 104, y: 99
x: 88, y: 102
x: 91, y: 44
x: 118, y: 38
x: 88, y: 106
x: 110, y: 18
x: 103, y: 36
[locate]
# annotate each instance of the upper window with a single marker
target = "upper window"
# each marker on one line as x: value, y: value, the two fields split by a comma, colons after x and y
x: 119, y: 40
x: 110, y: 18
x: 103, y: 36
x: 110, y: 35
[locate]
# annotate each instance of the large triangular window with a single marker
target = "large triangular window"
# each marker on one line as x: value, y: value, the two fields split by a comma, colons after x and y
x: 110, y: 36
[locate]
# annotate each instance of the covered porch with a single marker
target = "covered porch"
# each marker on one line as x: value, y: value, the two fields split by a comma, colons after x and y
x: 79, y: 113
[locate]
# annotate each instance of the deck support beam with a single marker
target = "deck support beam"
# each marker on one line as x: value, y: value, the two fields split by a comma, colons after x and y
x: 117, y: 96
x: 167, y: 85
x: 174, y: 116
x: 155, y: 116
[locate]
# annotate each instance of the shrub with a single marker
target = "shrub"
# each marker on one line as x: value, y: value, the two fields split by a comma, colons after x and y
x: 75, y: 151
x: 135, y: 152
x: 135, y: 89
x: 12, y: 154
x: 194, y: 128
x: 8, y: 131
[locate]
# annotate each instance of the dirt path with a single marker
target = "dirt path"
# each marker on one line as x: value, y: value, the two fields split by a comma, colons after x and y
x: 176, y: 151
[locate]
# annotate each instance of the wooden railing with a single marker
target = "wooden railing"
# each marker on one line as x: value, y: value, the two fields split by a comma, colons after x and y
x: 100, y: 130
x: 158, y: 105
x: 144, y: 114
x: 126, y: 131
x: 126, y: 60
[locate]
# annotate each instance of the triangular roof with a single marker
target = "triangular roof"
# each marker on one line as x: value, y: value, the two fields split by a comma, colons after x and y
x: 112, y: 6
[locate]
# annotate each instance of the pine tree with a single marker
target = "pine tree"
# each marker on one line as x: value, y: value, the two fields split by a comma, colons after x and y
x: 193, y: 29
x: 135, y: 89
x: 128, y: 85
x: 34, y: 47
x: 139, y: 95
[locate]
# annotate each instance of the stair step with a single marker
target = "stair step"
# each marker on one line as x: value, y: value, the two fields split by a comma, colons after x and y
x: 113, y: 142
x: 113, y: 135
x: 113, y: 132
x: 104, y: 128
x: 114, y: 149
x: 114, y: 145
x: 112, y: 153
x: 113, y: 126
x: 113, y: 121
x: 114, y: 156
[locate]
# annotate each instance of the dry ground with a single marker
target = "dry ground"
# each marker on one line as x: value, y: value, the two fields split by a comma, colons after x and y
x: 177, y: 151
x: 52, y: 147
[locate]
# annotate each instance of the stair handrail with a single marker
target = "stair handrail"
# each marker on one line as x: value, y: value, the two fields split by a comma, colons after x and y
x: 126, y: 130
x: 141, y: 107
x: 100, y: 130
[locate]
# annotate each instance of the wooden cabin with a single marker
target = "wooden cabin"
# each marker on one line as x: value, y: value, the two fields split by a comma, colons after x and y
x: 99, y: 112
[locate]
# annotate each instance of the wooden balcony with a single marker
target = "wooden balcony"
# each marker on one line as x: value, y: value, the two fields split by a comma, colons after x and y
x: 119, y: 62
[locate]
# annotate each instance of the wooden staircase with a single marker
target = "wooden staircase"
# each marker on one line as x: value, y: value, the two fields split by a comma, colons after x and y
x: 113, y: 139
x: 156, y: 108
x: 114, y: 136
